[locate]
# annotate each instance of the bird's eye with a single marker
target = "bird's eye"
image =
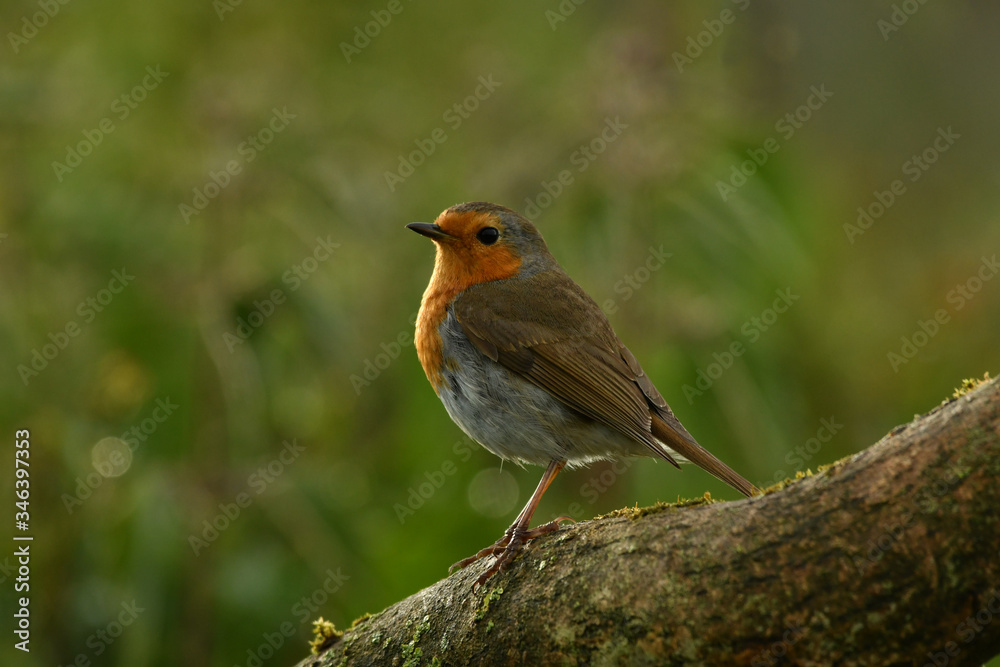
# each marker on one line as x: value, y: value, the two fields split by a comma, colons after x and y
x: 488, y: 235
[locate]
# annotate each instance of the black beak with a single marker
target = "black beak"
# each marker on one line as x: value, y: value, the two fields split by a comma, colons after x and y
x: 430, y: 230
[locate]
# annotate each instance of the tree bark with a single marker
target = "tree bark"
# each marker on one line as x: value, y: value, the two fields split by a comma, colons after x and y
x: 889, y: 557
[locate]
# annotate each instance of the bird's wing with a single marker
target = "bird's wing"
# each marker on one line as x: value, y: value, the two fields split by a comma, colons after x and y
x: 568, y: 348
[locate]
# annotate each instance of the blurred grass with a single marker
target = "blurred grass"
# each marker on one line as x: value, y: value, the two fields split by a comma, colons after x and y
x: 324, y: 177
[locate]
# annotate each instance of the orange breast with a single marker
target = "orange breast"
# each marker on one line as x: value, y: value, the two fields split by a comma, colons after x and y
x: 457, y: 266
x: 430, y: 348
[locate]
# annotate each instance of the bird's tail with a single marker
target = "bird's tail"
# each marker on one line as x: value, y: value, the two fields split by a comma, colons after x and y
x: 678, y: 439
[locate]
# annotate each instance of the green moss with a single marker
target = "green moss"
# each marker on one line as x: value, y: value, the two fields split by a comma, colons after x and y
x: 828, y: 468
x: 325, y: 635
x: 410, y: 652
x: 833, y: 467
x: 361, y: 619
x: 411, y: 655
x: 968, y: 385
x: 488, y: 599
x: 637, y: 512
x: 349, y: 641
x: 422, y: 627
x: 785, y: 483
x: 489, y: 626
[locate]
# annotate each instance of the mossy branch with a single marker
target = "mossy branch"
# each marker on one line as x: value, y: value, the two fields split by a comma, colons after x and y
x: 890, y: 557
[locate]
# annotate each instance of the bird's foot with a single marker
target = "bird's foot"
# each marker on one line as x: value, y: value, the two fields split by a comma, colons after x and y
x: 507, y: 547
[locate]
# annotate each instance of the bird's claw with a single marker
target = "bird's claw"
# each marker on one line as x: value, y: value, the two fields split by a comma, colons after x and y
x: 491, y: 550
x: 506, y: 548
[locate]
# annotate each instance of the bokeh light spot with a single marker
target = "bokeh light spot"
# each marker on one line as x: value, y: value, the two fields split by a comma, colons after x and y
x: 111, y: 457
x: 493, y: 493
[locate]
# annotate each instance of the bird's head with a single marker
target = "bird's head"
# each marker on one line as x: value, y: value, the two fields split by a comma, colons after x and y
x: 479, y: 242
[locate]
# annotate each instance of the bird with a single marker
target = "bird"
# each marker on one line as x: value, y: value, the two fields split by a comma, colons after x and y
x: 527, y: 364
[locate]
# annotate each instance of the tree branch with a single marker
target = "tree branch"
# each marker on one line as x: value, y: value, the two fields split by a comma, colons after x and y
x: 890, y: 557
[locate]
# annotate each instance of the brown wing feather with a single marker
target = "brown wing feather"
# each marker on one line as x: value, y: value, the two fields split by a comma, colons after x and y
x: 698, y: 455
x: 570, y: 350
x: 668, y: 429
x: 592, y: 389
x: 571, y: 356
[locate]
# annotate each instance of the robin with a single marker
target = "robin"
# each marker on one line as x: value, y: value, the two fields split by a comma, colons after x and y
x: 528, y: 366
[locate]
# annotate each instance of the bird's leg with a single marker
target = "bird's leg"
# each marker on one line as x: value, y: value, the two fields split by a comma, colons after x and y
x: 514, y: 539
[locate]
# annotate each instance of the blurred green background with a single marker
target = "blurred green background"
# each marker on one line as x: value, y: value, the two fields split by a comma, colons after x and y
x: 278, y: 308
